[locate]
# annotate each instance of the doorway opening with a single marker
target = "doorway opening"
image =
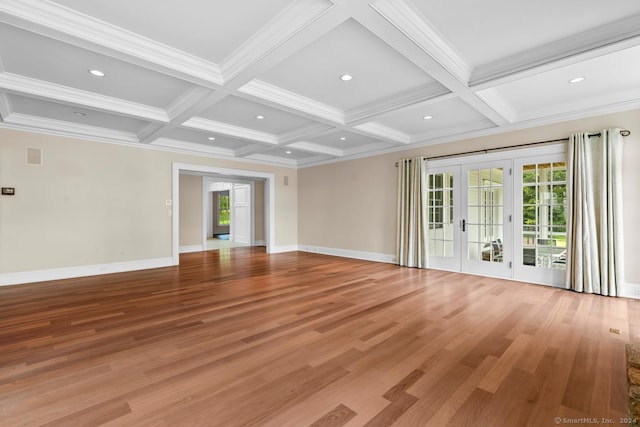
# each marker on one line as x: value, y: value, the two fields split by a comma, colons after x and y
x: 245, y: 183
x: 233, y: 213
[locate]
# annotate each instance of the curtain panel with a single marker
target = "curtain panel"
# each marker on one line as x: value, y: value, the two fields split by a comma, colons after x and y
x: 595, y: 262
x: 411, y: 243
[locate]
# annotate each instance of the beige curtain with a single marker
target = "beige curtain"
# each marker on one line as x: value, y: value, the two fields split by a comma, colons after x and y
x: 411, y: 247
x: 594, y: 192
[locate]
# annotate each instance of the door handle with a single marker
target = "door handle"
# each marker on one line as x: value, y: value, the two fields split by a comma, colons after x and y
x: 464, y: 225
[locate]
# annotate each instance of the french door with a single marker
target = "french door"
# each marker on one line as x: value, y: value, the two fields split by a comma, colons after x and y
x: 541, y: 219
x: 486, y: 219
x: 443, y: 197
x: 504, y: 218
x: 468, y: 212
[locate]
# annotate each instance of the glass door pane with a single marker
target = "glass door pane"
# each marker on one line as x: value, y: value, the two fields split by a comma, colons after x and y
x: 542, y: 219
x: 485, y: 230
x: 442, y: 217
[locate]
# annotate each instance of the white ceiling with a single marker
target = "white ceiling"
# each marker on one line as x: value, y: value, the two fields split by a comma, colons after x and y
x: 180, y: 73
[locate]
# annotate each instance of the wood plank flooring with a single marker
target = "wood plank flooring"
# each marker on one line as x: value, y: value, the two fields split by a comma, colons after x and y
x: 241, y: 338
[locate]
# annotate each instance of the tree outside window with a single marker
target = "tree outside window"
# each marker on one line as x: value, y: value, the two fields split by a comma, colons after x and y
x: 224, y: 210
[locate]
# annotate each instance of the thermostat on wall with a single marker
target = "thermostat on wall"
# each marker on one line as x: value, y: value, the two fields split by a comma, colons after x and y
x: 8, y: 191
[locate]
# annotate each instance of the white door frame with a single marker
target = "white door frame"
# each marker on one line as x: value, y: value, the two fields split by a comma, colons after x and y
x: 269, y: 198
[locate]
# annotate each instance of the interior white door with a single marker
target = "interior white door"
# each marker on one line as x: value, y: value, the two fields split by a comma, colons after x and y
x: 241, y: 219
x: 486, y: 219
x: 443, y: 216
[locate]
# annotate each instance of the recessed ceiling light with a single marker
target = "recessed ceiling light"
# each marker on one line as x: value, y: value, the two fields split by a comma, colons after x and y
x: 346, y: 77
x: 80, y: 114
x: 96, y: 73
x: 576, y: 80
x: 211, y: 138
x: 260, y: 117
x: 343, y: 138
x: 288, y: 151
x: 428, y: 117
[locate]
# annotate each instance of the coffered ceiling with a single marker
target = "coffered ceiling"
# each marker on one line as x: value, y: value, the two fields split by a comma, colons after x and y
x: 261, y: 80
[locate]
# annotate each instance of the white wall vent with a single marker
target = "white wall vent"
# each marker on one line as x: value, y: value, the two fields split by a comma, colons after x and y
x: 34, y: 156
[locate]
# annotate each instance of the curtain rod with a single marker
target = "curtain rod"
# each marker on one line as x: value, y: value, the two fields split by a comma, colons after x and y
x: 623, y: 132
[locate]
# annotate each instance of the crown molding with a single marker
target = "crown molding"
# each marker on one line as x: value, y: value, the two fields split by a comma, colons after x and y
x: 414, y: 25
x: 69, y: 129
x: 605, y: 39
x: 284, y: 26
x: 381, y: 131
x: 317, y: 148
x: 289, y: 99
x: 493, y: 99
x: 61, y: 23
x: 230, y: 130
x: 64, y: 94
x: 5, y: 106
x: 192, y: 147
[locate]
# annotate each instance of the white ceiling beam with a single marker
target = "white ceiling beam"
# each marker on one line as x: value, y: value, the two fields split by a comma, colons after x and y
x: 415, y: 26
x: 230, y: 130
x: 378, y: 108
x: 68, y: 25
x: 396, y: 37
x: 59, y: 93
x: 69, y: 129
x: 244, y: 65
x: 191, y: 102
x: 5, y: 106
x: 383, y: 132
x: 294, y: 19
x: 251, y: 149
x: 312, y: 131
x: 603, y: 40
x: 289, y: 99
x: 311, y: 147
x: 192, y: 147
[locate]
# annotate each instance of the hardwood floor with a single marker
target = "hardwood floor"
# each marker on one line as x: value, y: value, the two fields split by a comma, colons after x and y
x: 241, y: 338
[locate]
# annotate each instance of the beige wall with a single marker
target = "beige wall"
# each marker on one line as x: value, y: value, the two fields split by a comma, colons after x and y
x: 352, y: 205
x: 190, y: 210
x: 94, y: 203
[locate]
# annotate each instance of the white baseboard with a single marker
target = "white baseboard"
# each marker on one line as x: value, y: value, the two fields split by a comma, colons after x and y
x: 259, y: 243
x: 281, y: 249
x: 81, y: 271
x: 631, y: 290
x: 366, y: 256
x: 188, y: 249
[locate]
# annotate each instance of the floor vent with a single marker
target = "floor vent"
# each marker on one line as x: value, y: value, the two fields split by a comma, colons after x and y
x: 34, y: 156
